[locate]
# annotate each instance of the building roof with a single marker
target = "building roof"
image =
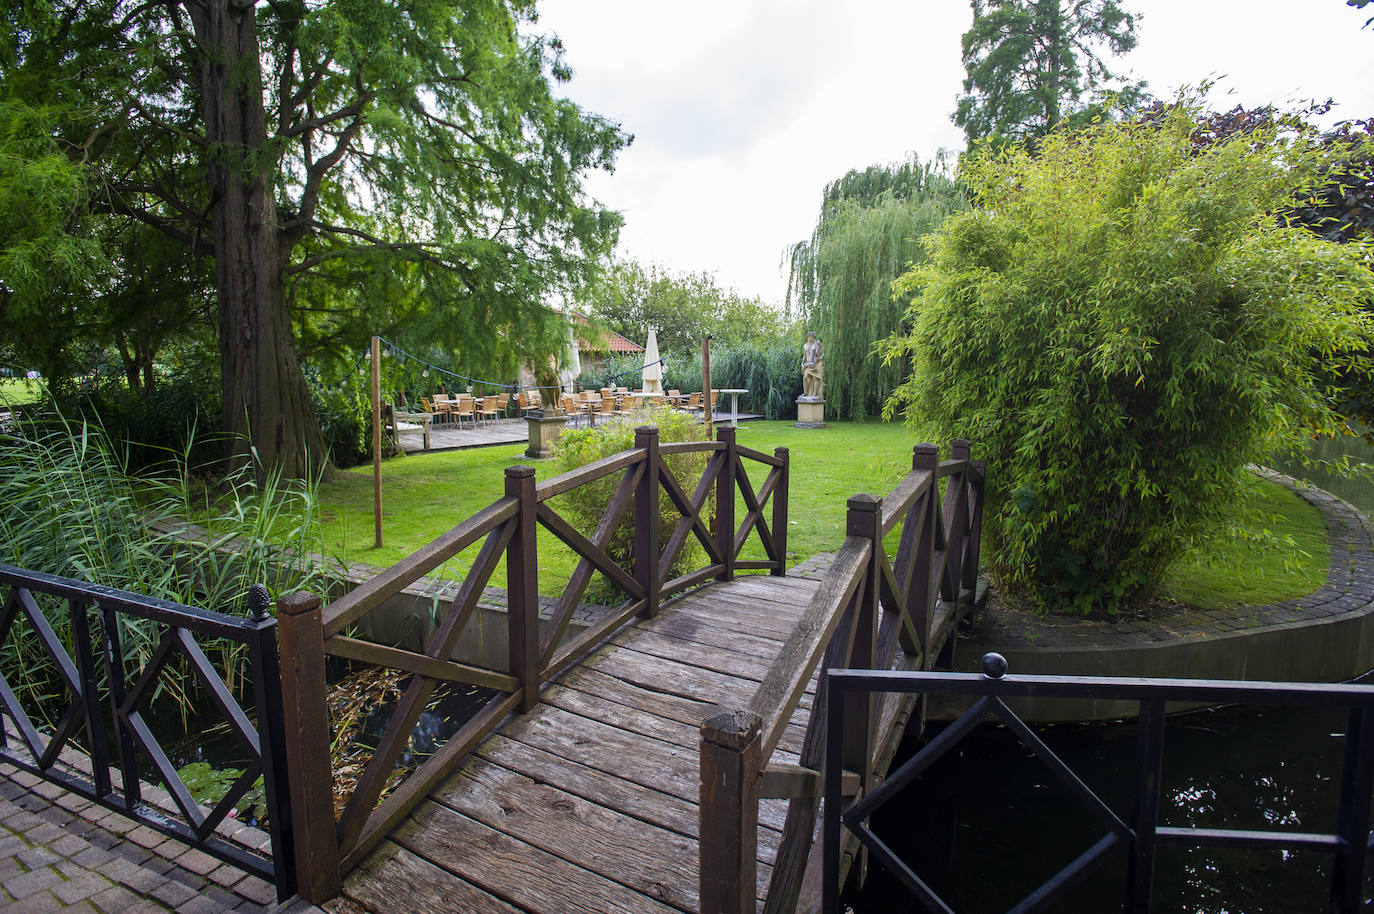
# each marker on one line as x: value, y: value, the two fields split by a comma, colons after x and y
x: 610, y: 340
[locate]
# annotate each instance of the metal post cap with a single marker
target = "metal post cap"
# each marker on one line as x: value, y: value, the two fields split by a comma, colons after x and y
x: 994, y: 665
x: 258, y: 601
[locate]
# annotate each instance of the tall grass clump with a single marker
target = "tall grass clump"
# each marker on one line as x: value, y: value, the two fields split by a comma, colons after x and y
x: 585, y: 505
x: 71, y: 509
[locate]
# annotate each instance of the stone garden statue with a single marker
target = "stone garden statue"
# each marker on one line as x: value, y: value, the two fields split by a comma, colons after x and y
x: 813, y: 369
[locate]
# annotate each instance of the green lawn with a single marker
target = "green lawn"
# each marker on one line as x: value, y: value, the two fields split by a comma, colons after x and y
x: 423, y: 495
x: 426, y: 494
x: 19, y: 391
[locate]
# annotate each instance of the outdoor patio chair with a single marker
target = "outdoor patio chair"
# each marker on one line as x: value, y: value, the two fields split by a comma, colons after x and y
x: 464, y: 408
x: 488, y: 409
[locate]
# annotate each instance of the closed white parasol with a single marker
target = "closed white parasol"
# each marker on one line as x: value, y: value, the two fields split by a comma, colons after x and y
x: 653, y: 371
x: 571, y: 364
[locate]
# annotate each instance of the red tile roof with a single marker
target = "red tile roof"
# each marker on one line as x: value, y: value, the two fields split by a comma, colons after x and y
x: 610, y: 340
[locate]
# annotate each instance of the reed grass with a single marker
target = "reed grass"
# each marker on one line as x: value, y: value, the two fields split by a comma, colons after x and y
x: 71, y: 508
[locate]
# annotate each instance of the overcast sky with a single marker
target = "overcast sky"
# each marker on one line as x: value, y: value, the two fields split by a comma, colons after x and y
x: 743, y: 110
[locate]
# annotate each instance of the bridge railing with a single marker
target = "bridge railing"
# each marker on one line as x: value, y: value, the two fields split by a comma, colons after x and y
x: 538, y: 647
x: 869, y: 605
x: 106, y: 696
x: 1135, y: 834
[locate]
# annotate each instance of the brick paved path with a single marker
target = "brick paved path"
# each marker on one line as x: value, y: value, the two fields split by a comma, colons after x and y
x: 59, y: 852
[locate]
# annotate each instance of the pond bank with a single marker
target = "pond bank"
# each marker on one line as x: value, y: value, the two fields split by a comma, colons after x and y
x: 1326, y: 636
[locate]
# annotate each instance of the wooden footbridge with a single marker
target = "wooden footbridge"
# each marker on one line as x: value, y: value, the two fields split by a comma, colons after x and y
x: 664, y: 756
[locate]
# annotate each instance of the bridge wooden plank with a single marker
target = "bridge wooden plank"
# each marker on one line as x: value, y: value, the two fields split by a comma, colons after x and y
x: 525, y: 876
x: 653, y: 861
x: 632, y: 757
x: 645, y: 803
x: 631, y: 720
x: 651, y: 701
x: 679, y: 678
x: 700, y: 629
x: 392, y: 879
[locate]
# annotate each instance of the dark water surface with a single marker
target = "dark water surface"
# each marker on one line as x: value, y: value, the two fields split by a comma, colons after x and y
x: 989, y: 822
x: 1359, y: 491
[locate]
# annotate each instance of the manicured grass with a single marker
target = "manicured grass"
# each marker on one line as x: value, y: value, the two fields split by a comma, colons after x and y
x: 1239, y: 571
x: 19, y: 391
x: 426, y: 494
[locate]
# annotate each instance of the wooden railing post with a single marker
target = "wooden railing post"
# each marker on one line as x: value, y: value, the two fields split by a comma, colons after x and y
x: 780, y: 510
x: 924, y: 458
x: 863, y: 519
x: 730, y: 764
x: 973, y: 541
x: 300, y: 634
x: 522, y: 587
x: 646, y: 520
x: 725, y: 502
x: 956, y: 516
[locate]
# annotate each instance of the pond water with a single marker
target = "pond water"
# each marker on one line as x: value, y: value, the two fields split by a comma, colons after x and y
x: 1359, y: 491
x: 990, y: 822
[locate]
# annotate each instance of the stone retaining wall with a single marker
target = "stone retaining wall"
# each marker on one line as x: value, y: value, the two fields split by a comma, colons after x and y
x: 1326, y: 636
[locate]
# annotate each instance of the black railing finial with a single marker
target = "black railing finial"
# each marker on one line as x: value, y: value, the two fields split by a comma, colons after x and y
x: 994, y: 665
x: 258, y: 601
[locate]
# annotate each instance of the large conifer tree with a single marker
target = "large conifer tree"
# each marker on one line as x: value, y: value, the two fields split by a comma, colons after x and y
x: 333, y: 160
x: 1034, y: 63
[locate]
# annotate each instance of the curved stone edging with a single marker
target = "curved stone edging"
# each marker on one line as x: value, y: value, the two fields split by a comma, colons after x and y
x: 1326, y: 636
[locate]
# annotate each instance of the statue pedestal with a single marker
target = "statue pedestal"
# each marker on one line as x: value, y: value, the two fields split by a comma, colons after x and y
x: 810, y: 412
x: 545, y: 427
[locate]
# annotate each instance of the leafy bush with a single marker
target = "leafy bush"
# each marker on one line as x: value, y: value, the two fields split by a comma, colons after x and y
x: 1120, y: 326
x: 585, y: 505
x: 186, y: 398
x: 344, y: 411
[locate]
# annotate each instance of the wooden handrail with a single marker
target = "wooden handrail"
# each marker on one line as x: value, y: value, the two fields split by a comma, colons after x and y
x: 868, y: 609
x: 777, y: 696
x: 570, y: 480
x: 355, y: 604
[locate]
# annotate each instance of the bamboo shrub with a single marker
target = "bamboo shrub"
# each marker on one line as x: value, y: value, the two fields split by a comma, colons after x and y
x: 1121, y: 326
x: 585, y: 505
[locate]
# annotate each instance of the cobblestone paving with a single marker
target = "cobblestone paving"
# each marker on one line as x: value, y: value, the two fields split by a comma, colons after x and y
x: 60, y: 852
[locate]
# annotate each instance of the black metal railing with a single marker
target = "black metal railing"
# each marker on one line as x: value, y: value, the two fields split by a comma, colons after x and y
x: 108, y: 701
x: 1349, y: 845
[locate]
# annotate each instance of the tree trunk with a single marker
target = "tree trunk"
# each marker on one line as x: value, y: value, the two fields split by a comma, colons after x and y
x: 1056, y: 33
x: 266, y: 403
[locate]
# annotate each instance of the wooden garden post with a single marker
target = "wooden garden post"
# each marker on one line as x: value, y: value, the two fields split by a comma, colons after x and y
x: 924, y: 458
x: 731, y: 754
x: 646, y: 519
x: 300, y: 634
x: 522, y: 586
x: 863, y: 518
x: 706, y: 379
x: 377, y: 438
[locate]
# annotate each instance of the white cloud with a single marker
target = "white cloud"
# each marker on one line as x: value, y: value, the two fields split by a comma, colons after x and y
x: 743, y: 110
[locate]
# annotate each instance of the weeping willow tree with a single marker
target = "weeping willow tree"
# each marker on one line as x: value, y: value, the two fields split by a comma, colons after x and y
x: 840, y: 283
